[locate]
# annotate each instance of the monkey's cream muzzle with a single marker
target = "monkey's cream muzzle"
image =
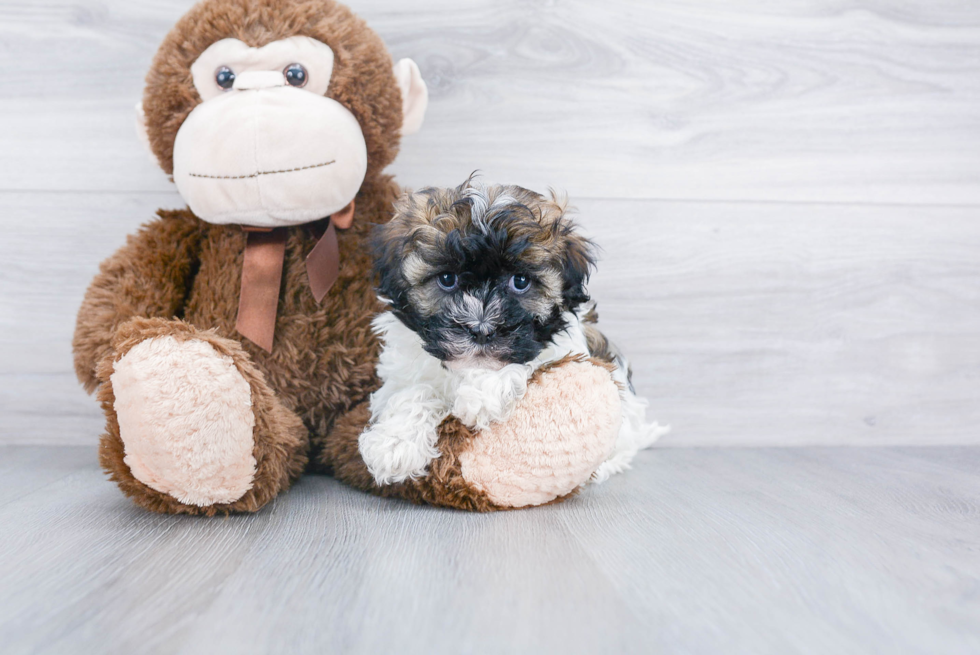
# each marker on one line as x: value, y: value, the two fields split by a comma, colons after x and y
x: 268, y: 156
x: 263, y: 153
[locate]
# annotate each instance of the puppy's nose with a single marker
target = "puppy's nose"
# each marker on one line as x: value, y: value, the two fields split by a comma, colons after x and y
x: 480, y: 336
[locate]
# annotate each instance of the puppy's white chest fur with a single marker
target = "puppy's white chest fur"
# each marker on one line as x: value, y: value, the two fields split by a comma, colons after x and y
x: 418, y: 393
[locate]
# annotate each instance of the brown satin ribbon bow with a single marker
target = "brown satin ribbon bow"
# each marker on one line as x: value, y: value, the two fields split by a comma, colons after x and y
x: 265, y: 250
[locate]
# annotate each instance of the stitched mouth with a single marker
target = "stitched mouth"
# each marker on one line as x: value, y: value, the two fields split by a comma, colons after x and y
x: 260, y: 173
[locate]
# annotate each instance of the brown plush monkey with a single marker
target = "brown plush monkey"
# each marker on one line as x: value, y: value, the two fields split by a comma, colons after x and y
x: 231, y: 342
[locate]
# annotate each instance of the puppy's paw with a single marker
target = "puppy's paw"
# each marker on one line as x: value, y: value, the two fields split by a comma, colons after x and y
x: 558, y: 434
x: 392, y: 455
x: 484, y: 396
x: 401, y: 441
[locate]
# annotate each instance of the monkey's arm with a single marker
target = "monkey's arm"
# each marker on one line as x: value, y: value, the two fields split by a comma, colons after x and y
x: 148, y: 277
x: 558, y: 434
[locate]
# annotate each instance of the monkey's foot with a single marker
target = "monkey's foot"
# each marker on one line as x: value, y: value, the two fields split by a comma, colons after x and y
x: 196, y: 424
x: 185, y: 417
x: 557, y: 436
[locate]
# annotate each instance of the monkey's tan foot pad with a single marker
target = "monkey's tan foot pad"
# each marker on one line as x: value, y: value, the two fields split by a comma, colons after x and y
x: 185, y: 419
x: 560, y: 432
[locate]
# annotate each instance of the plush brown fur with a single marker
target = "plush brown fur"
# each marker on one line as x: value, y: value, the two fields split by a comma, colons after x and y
x: 181, y: 276
x: 186, y: 274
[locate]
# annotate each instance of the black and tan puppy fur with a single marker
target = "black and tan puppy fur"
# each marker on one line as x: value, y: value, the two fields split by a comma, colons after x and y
x: 484, y: 274
x: 485, y: 284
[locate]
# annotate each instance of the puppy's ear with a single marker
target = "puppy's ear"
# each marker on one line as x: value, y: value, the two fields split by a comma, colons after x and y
x: 388, y: 244
x: 578, y: 264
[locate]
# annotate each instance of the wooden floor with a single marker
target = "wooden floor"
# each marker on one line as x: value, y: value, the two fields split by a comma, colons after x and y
x: 804, y: 550
x: 787, y: 195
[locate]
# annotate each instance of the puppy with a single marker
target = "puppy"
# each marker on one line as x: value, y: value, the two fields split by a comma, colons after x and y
x: 484, y: 284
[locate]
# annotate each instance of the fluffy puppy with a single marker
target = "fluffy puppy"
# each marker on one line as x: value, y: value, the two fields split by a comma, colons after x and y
x: 484, y: 284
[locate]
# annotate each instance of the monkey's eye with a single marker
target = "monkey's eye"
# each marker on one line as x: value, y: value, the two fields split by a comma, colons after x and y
x: 447, y: 281
x: 224, y: 77
x: 295, y: 75
x: 520, y: 283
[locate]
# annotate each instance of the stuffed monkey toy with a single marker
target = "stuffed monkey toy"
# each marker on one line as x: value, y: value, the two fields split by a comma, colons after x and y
x: 230, y: 342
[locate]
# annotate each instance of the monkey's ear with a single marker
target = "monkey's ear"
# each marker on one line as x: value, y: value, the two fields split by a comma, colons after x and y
x: 141, y: 128
x: 415, y: 95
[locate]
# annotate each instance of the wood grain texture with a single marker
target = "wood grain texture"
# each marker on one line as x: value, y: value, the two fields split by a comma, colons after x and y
x: 809, y: 550
x: 844, y: 100
x: 796, y: 324
x: 746, y: 323
x: 51, y: 248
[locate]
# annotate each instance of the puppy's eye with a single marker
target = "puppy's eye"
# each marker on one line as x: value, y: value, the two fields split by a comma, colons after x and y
x: 224, y: 77
x: 520, y: 283
x: 447, y: 281
x: 295, y: 75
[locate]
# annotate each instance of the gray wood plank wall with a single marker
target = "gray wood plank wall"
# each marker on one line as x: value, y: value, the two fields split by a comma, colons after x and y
x: 786, y: 193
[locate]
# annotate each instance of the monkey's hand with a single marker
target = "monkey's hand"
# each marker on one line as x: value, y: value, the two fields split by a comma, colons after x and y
x: 399, y: 445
